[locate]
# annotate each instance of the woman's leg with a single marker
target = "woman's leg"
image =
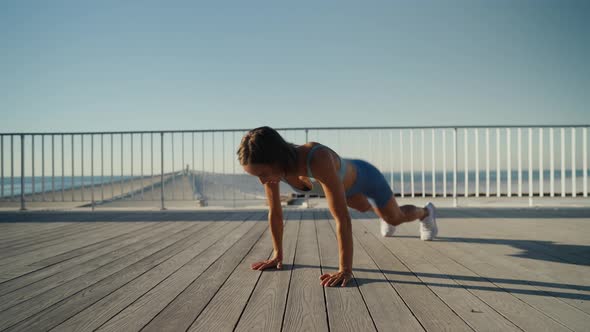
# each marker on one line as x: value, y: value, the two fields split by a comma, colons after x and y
x: 359, y: 202
x: 390, y: 212
x: 395, y: 215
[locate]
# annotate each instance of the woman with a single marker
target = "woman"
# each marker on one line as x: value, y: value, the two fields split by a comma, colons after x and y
x: 345, y: 182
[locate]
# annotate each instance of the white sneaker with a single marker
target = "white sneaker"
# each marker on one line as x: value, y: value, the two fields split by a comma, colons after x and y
x: 387, y: 230
x: 428, y: 228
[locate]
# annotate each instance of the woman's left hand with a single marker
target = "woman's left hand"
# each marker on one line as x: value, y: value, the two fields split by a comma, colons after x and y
x: 335, y: 279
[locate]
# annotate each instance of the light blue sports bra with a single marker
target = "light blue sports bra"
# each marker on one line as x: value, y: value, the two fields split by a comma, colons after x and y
x: 315, y: 185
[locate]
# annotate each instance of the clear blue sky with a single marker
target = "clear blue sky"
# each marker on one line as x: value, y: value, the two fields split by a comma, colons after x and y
x: 134, y: 65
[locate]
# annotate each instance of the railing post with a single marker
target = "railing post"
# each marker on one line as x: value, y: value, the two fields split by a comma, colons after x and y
x: 92, y: 171
x: 476, y: 162
x: 573, y: 130
x: 233, y: 135
x: 422, y: 153
x: 444, y: 153
x: 22, y: 172
x: 530, y: 166
x: 53, y: 168
x: 487, y: 162
x: 62, y: 169
x: 32, y: 168
x: 173, y: 169
x: 466, y: 159
x: 112, y: 168
x: 412, y: 193
x: 455, y: 195
x: 541, y: 162
x: 72, y: 175
x: 519, y: 160
x: 2, y: 165
x: 562, y: 131
x: 508, y: 156
x: 11, y: 168
x: 391, y: 159
x: 585, y: 159
x: 401, y: 162
x: 307, y: 140
x: 193, y: 165
x: 82, y: 165
x: 498, y: 174
x: 433, y: 166
x: 551, y: 164
x: 162, y: 170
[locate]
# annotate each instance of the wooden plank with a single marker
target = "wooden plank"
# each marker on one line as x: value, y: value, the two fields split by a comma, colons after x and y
x: 122, y: 235
x: 83, y: 221
x: 58, y: 247
x: 121, y: 228
x: 63, y: 275
x: 34, y: 238
x: 182, y: 311
x: 17, y: 230
x: 161, y: 282
x: 21, y: 267
x: 475, y: 312
x: 106, y: 229
x: 54, y: 233
x: 224, y: 309
x: 346, y: 309
x: 100, y: 282
x: 432, y: 313
x: 475, y: 268
x: 69, y: 275
x: 30, y: 245
x: 266, y: 306
x: 29, y: 274
x: 387, y: 308
x: 306, y: 308
x: 138, y: 314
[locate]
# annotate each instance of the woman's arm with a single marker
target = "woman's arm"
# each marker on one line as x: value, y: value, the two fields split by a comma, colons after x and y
x: 324, y: 170
x: 275, y: 220
x: 275, y: 217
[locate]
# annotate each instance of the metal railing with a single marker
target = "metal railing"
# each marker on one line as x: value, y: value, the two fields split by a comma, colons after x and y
x: 455, y: 168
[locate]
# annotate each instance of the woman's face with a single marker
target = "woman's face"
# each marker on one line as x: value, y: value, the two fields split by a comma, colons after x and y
x: 266, y: 173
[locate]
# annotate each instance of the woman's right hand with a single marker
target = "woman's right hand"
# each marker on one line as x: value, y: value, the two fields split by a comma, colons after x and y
x: 273, y: 262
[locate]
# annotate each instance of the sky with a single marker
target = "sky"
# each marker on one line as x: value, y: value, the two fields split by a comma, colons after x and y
x: 168, y: 65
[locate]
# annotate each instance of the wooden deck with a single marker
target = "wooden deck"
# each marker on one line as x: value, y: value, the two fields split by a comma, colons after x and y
x: 489, y: 270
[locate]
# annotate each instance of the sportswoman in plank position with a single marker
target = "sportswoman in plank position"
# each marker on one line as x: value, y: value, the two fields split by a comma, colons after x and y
x: 345, y: 182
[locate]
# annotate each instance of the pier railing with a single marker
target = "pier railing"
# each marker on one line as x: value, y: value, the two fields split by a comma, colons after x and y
x: 201, y: 165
